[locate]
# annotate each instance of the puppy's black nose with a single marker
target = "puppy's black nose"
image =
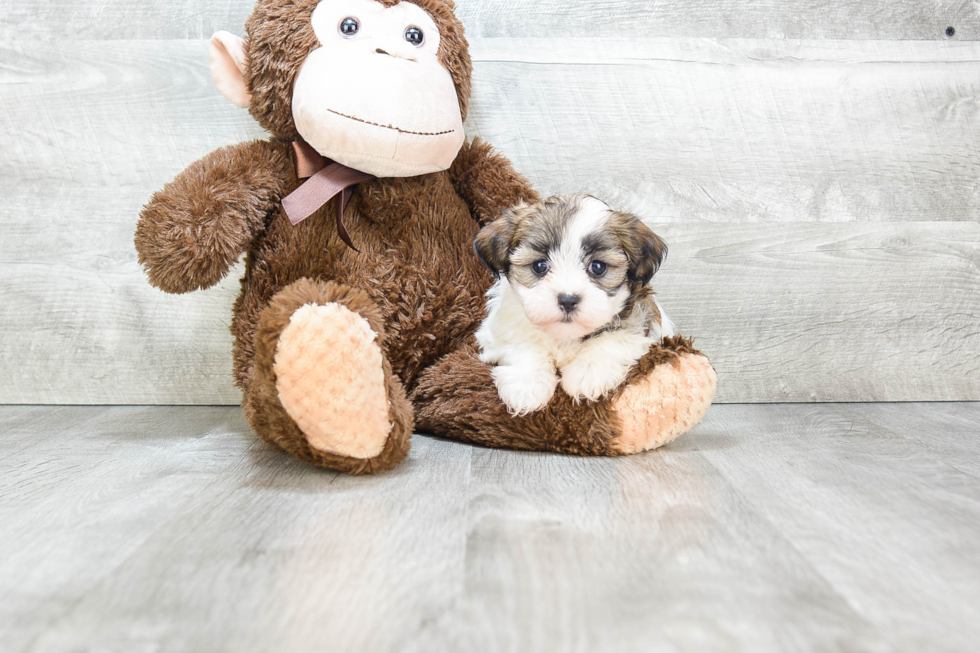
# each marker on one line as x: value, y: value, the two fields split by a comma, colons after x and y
x: 568, y: 302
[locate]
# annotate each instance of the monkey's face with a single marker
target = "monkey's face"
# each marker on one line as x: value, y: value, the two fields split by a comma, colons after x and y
x: 374, y: 96
x: 378, y: 85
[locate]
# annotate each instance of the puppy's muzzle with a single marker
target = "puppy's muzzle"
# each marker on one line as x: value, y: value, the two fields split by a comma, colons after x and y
x: 568, y: 303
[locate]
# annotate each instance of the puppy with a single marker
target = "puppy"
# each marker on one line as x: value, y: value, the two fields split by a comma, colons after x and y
x: 572, y: 297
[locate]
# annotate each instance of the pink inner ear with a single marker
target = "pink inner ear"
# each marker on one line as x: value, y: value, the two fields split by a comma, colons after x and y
x: 229, y: 59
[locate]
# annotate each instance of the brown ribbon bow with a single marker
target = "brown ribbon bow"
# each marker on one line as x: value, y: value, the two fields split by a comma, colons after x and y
x: 325, y: 179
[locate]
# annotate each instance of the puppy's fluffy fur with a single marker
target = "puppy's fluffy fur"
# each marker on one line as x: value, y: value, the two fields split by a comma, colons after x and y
x: 572, y: 297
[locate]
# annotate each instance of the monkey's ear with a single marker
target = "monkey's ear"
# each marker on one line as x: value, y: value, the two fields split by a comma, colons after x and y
x: 229, y: 60
x: 492, y: 244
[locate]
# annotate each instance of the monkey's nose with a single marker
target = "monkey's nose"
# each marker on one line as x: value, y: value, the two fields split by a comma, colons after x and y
x: 568, y: 302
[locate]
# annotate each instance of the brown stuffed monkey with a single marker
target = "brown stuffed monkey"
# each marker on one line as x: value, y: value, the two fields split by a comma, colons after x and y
x: 341, y: 353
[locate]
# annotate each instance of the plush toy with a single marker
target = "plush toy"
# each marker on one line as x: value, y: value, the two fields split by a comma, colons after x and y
x: 361, y: 295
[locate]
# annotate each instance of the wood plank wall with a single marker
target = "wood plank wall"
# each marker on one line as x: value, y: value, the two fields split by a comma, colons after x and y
x: 813, y: 165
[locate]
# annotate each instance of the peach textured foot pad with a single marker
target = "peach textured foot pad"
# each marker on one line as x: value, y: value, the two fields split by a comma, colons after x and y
x: 666, y: 404
x: 331, y: 381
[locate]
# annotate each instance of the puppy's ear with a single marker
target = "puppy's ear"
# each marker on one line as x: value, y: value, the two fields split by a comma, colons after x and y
x: 645, y: 252
x: 493, y: 242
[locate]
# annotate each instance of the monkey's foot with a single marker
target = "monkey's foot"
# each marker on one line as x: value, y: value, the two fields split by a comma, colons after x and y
x: 320, y: 386
x: 665, y: 403
x: 330, y: 377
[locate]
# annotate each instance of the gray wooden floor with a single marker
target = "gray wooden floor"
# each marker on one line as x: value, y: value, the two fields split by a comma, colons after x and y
x: 771, y: 528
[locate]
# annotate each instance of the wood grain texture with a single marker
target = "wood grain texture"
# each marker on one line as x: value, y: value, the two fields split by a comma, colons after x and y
x: 786, y: 528
x: 91, y: 133
x: 937, y: 428
x: 741, y: 131
x: 827, y: 480
x: 820, y: 200
x: 793, y: 19
x: 667, y: 557
x: 830, y: 312
x: 797, y: 19
x: 56, y: 20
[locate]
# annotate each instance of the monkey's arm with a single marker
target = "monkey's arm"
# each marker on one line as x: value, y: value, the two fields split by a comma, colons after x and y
x: 191, y: 232
x: 488, y: 182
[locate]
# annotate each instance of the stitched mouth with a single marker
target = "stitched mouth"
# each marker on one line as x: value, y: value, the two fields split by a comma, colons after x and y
x: 391, y: 127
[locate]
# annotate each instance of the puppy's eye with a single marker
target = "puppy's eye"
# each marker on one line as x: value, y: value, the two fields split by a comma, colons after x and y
x: 414, y: 36
x: 597, y: 268
x: 348, y: 27
x: 540, y: 268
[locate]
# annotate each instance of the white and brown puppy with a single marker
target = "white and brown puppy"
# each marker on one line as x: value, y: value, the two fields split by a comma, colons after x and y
x: 572, y: 297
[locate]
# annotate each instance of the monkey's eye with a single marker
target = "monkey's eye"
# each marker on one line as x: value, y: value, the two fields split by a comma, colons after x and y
x: 540, y: 268
x: 414, y: 36
x: 349, y: 26
x: 597, y: 268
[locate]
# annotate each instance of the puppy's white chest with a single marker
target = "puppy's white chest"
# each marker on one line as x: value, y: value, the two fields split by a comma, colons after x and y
x: 563, y: 353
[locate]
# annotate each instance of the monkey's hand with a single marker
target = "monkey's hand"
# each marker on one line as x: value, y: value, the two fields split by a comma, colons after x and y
x: 487, y: 182
x: 191, y: 232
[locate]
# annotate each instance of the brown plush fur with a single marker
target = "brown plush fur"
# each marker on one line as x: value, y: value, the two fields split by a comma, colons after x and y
x: 415, y: 262
x: 487, y: 182
x: 668, y: 351
x: 194, y: 229
x: 456, y: 398
x: 416, y: 280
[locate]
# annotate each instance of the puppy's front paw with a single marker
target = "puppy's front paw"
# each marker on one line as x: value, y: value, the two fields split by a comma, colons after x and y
x: 591, y: 380
x: 524, y: 390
